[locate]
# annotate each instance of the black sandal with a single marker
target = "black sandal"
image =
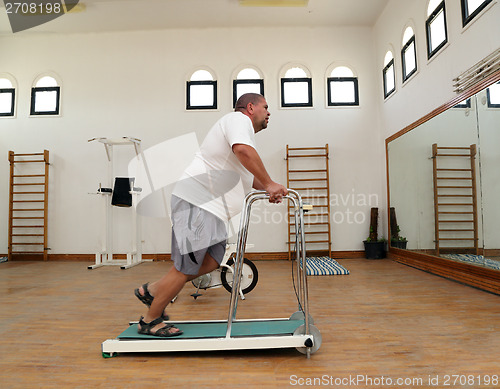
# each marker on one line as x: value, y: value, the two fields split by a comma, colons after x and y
x: 147, y: 299
x: 163, y: 332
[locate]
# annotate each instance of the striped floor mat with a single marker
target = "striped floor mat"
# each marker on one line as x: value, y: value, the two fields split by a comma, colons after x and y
x: 474, y: 259
x: 324, y: 266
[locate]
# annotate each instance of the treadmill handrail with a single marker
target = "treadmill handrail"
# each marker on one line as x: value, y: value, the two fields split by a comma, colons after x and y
x: 250, y: 198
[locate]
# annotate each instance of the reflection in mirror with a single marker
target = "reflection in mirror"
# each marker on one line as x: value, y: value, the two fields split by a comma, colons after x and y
x: 488, y: 116
x: 444, y: 183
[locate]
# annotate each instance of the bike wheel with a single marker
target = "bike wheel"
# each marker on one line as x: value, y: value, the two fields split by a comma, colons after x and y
x: 249, y: 276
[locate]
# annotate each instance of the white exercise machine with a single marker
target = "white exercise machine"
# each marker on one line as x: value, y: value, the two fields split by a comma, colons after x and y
x: 105, y: 257
x: 224, y: 275
x: 297, y: 331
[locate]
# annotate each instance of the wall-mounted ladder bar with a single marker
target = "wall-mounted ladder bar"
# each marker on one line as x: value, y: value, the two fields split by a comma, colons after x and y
x: 28, y: 204
x: 455, y: 218
x: 308, y: 174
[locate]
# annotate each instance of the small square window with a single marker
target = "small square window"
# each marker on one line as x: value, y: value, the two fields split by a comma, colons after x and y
x: 7, y: 100
x: 389, y: 79
x: 240, y: 87
x: 437, y: 35
x: 45, y: 101
x: 409, y: 58
x: 343, y: 91
x: 471, y: 8
x: 464, y: 104
x: 493, y: 95
x: 201, y: 95
x: 296, y: 92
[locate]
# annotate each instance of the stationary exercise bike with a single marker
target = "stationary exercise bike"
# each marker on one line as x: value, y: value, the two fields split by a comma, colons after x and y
x: 223, y: 276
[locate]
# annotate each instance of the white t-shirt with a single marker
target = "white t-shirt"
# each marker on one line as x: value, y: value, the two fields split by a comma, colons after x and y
x: 216, y: 180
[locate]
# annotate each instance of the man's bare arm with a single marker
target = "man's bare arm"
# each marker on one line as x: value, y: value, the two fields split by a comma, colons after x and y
x: 257, y: 184
x: 251, y: 160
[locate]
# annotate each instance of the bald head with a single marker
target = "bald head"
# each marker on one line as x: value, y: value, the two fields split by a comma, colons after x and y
x: 255, y: 107
x: 247, y: 98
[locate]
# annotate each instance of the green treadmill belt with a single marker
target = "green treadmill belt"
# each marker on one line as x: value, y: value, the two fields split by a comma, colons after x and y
x: 218, y: 330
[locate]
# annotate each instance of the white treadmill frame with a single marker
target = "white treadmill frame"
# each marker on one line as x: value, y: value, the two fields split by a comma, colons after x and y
x: 300, y: 341
x: 112, y: 346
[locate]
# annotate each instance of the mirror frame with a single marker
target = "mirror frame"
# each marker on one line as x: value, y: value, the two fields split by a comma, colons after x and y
x: 476, y: 276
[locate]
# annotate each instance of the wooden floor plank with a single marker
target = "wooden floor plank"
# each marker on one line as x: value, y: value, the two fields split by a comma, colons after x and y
x: 384, y: 319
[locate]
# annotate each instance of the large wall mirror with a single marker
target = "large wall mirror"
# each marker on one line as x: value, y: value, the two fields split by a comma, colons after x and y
x: 444, y: 189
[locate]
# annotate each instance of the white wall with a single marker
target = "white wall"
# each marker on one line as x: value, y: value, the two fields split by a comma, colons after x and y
x: 432, y: 86
x: 133, y: 84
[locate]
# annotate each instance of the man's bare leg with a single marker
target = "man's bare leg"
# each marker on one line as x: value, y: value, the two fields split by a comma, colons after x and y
x: 209, y: 264
x: 169, y: 286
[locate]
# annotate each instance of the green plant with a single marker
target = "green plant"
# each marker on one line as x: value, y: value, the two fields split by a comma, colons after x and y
x: 369, y: 239
x: 395, y: 236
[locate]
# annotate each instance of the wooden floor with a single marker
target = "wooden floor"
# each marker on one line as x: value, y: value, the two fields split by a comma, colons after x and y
x: 383, y: 321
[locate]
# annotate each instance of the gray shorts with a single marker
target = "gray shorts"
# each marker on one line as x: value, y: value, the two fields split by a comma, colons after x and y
x: 195, y: 232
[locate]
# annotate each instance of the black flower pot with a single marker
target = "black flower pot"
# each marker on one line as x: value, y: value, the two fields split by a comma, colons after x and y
x: 399, y: 244
x: 374, y: 250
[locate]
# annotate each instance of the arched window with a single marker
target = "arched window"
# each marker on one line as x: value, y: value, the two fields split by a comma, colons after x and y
x: 248, y: 80
x: 471, y: 8
x: 389, y: 75
x: 409, y: 54
x: 7, y: 96
x: 201, y: 90
x: 435, y: 27
x: 45, y: 96
x: 342, y: 87
x: 296, y: 87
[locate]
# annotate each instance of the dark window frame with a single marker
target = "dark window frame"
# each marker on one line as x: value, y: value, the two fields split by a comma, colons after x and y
x: 309, y: 92
x: 488, y: 97
x: 464, y: 104
x: 246, y: 81
x: 331, y: 80
x: 384, y: 74
x: 12, y: 91
x: 428, y: 22
x: 466, y: 19
x: 34, y: 92
x: 403, y: 51
x: 188, y: 95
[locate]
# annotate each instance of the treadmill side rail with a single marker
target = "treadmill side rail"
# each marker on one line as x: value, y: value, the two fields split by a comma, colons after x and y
x: 210, y: 344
